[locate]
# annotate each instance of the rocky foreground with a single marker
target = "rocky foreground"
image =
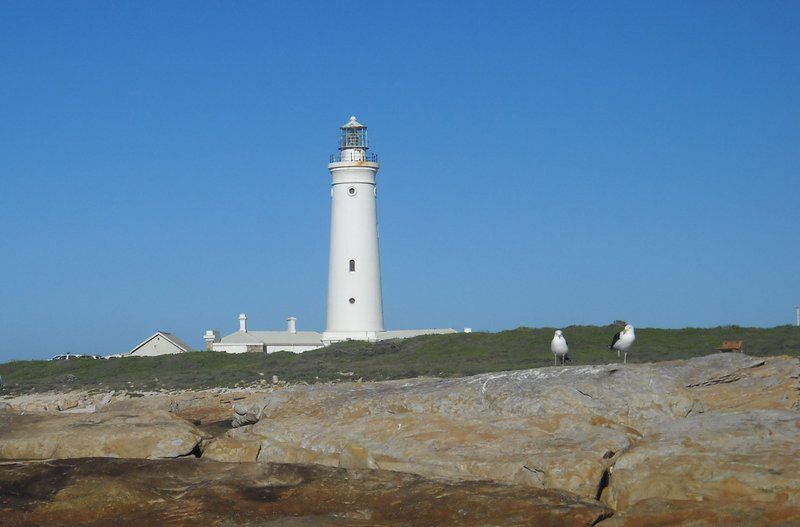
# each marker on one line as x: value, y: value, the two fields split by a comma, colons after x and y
x: 708, y: 441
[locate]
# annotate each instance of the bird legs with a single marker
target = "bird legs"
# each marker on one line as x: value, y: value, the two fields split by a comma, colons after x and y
x: 626, y: 358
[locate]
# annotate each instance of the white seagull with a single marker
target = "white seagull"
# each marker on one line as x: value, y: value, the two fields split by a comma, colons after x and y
x: 623, y: 341
x: 559, y: 347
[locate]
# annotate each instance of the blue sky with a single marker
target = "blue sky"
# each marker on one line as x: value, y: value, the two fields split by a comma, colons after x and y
x: 163, y: 165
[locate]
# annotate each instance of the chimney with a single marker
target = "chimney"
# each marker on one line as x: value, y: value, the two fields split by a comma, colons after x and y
x: 291, y: 325
x: 242, y: 322
x: 211, y: 336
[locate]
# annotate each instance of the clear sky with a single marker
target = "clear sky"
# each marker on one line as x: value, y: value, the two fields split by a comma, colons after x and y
x: 163, y: 165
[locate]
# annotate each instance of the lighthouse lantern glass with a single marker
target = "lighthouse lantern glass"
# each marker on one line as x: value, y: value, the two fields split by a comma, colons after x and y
x: 353, y: 138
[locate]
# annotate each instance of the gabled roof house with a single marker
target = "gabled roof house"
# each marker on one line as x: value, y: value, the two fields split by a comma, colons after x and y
x: 160, y: 343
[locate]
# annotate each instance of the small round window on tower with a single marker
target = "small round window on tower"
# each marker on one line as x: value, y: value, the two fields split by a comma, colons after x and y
x: 352, y: 191
x: 352, y: 300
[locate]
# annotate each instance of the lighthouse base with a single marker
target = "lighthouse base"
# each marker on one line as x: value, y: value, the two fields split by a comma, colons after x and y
x: 331, y: 337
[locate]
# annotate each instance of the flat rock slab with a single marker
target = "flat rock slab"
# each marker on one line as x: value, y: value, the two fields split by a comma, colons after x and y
x: 208, y: 406
x: 145, y: 434
x: 733, y: 381
x: 191, y: 492
x: 230, y: 450
x: 559, y: 428
x: 751, y: 456
x: 544, y: 428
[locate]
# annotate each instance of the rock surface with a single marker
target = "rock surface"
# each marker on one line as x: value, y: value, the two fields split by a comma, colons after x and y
x: 244, y: 414
x: 103, y: 434
x: 211, y: 405
x: 232, y: 450
x: 741, y: 456
x: 101, y: 492
x: 559, y: 428
x: 694, y: 442
x: 656, y: 512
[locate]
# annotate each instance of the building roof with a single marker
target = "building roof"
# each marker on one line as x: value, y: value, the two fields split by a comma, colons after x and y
x: 185, y: 346
x: 168, y: 336
x: 274, y: 338
x: 313, y: 338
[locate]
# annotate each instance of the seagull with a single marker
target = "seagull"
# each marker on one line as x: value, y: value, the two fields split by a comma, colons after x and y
x: 559, y: 347
x: 623, y: 341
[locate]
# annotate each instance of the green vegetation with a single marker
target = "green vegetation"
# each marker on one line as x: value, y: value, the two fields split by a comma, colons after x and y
x: 438, y: 355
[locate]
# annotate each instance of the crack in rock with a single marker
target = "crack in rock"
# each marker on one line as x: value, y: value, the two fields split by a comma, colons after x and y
x: 539, y: 473
x: 723, y: 379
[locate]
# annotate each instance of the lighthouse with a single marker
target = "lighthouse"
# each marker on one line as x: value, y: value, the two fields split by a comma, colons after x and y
x: 355, y: 306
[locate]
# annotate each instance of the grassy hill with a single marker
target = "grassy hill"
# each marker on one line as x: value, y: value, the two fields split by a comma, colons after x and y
x: 437, y: 355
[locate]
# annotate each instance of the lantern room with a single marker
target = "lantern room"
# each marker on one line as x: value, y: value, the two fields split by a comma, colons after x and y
x: 353, y: 143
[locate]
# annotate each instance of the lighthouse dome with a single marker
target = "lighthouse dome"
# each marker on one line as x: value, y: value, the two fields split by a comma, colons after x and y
x: 352, y: 124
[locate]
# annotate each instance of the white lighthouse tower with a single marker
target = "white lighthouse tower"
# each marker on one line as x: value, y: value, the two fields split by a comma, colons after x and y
x: 355, y: 307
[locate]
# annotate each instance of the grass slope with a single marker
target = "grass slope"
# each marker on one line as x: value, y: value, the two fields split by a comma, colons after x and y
x: 437, y: 355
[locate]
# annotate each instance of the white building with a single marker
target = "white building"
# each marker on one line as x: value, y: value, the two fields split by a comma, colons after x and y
x: 355, y: 304
x: 270, y: 341
x: 161, y: 343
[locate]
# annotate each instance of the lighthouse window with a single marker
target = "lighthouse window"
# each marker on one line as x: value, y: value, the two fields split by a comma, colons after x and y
x: 352, y: 191
x: 352, y: 266
x: 352, y: 300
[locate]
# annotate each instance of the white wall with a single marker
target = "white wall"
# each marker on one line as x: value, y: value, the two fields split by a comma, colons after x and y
x: 289, y: 347
x: 245, y: 348
x: 237, y: 348
x: 157, y: 346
